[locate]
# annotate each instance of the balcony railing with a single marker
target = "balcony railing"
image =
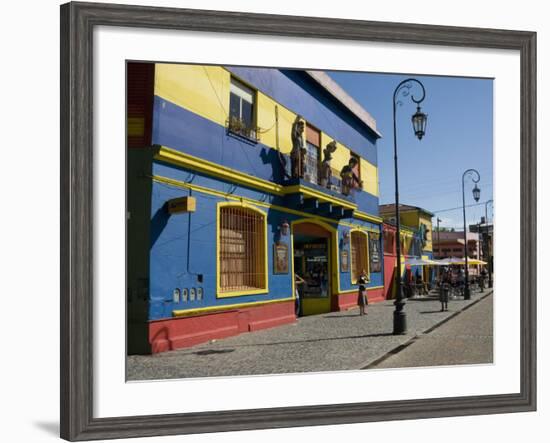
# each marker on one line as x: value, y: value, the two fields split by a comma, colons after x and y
x: 240, y: 128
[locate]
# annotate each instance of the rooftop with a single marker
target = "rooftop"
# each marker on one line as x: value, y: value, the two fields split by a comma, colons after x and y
x: 390, y: 208
x: 323, y: 79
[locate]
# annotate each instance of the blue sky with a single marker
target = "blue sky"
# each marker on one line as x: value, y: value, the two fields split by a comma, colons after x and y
x: 459, y: 136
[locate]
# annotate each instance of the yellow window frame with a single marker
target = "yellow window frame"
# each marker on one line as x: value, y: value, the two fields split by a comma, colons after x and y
x: 220, y: 293
x: 354, y: 274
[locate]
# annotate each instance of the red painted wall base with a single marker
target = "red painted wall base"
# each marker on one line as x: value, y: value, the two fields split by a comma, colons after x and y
x: 390, y: 263
x: 349, y: 300
x: 183, y: 332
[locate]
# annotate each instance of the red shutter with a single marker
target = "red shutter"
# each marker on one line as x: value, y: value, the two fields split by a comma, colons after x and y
x: 313, y: 136
x: 140, y: 90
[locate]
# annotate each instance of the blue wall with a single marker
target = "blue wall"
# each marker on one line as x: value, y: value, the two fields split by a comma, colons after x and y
x: 184, y: 246
x: 298, y: 92
x: 185, y: 131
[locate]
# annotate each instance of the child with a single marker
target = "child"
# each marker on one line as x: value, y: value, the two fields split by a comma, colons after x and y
x: 362, y: 299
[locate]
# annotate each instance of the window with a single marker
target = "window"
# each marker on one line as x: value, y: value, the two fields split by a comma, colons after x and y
x: 311, y: 173
x: 313, y: 141
x: 242, y: 251
x: 241, y: 109
x: 357, y: 168
x: 359, y: 255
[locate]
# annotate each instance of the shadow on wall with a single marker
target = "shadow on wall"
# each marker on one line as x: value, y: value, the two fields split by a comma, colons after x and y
x: 158, y: 223
x: 278, y: 164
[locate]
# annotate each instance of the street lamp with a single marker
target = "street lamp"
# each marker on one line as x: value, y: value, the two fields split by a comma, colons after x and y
x: 438, y: 238
x: 419, y: 120
x: 488, y: 247
x: 475, y: 177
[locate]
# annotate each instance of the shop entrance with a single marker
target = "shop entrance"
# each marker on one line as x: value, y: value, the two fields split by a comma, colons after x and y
x: 311, y: 245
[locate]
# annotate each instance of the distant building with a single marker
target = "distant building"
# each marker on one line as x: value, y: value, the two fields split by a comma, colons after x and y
x: 485, y: 232
x: 451, y: 244
x: 416, y: 242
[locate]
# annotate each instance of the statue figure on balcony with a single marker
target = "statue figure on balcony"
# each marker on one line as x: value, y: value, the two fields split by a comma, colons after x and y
x: 326, y: 170
x: 298, y: 153
x: 349, y: 178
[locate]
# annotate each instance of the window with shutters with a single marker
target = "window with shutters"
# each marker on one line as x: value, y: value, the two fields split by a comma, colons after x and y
x: 313, y: 143
x: 242, y: 261
x: 359, y: 254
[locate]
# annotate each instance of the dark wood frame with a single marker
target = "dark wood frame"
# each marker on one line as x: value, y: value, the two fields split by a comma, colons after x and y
x: 77, y: 23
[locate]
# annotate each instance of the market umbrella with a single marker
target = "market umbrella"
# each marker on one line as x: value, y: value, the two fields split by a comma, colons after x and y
x: 460, y: 261
x: 419, y: 262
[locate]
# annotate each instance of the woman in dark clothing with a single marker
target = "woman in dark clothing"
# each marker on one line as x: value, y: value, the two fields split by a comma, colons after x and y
x: 362, y: 299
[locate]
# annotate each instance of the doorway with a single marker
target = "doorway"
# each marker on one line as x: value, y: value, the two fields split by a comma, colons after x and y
x: 312, y: 263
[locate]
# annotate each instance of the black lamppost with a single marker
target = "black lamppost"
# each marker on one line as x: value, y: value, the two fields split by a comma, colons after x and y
x: 488, y: 247
x: 438, y: 238
x: 419, y: 120
x: 474, y: 175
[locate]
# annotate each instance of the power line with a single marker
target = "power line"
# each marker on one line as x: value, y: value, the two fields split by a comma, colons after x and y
x: 458, y: 207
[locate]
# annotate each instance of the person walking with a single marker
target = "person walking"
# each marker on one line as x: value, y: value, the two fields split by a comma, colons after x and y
x: 444, y: 289
x: 362, y: 299
x: 297, y: 305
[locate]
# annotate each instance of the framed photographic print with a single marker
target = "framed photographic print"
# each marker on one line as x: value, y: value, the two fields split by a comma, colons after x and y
x: 224, y: 181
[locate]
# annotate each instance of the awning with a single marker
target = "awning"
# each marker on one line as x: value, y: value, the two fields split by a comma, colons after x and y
x: 457, y: 261
x: 418, y: 262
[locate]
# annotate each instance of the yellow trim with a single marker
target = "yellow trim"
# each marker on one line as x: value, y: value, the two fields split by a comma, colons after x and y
x: 188, y: 161
x: 265, y: 289
x: 364, y: 216
x: 351, y: 255
x: 334, y: 254
x: 204, y: 190
x: 321, y: 196
x: 184, y: 312
x: 202, y: 90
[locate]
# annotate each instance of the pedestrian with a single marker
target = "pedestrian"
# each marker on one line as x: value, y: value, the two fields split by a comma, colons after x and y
x: 482, y: 279
x: 362, y: 299
x: 297, y: 305
x: 444, y: 295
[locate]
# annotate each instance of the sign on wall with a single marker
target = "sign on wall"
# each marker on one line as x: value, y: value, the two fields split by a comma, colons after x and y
x: 374, y: 252
x: 280, y: 258
x: 344, y: 260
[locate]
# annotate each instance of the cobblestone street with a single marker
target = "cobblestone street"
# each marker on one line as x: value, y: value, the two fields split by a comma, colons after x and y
x: 333, y: 342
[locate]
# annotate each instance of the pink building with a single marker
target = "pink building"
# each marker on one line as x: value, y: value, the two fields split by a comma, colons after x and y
x: 451, y: 244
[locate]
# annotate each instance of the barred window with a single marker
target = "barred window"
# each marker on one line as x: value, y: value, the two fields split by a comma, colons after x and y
x: 359, y: 254
x: 242, y: 264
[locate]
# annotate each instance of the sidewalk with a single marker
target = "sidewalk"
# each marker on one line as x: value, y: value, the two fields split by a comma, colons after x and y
x: 328, y: 342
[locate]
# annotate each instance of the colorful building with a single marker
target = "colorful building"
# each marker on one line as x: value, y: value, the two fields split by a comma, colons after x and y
x: 241, y: 180
x: 451, y: 244
x: 416, y: 243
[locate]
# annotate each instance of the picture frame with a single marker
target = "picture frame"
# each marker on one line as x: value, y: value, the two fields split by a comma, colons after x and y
x: 77, y: 221
x: 375, y: 259
x: 280, y: 258
x: 344, y: 260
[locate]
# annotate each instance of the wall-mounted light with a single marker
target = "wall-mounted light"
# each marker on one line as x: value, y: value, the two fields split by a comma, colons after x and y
x: 284, y: 227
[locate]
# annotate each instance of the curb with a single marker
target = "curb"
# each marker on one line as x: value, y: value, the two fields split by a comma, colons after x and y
x: 409, y: 342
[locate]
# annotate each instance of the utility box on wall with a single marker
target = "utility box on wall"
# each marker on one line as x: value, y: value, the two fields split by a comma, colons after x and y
x: 182, y: 204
